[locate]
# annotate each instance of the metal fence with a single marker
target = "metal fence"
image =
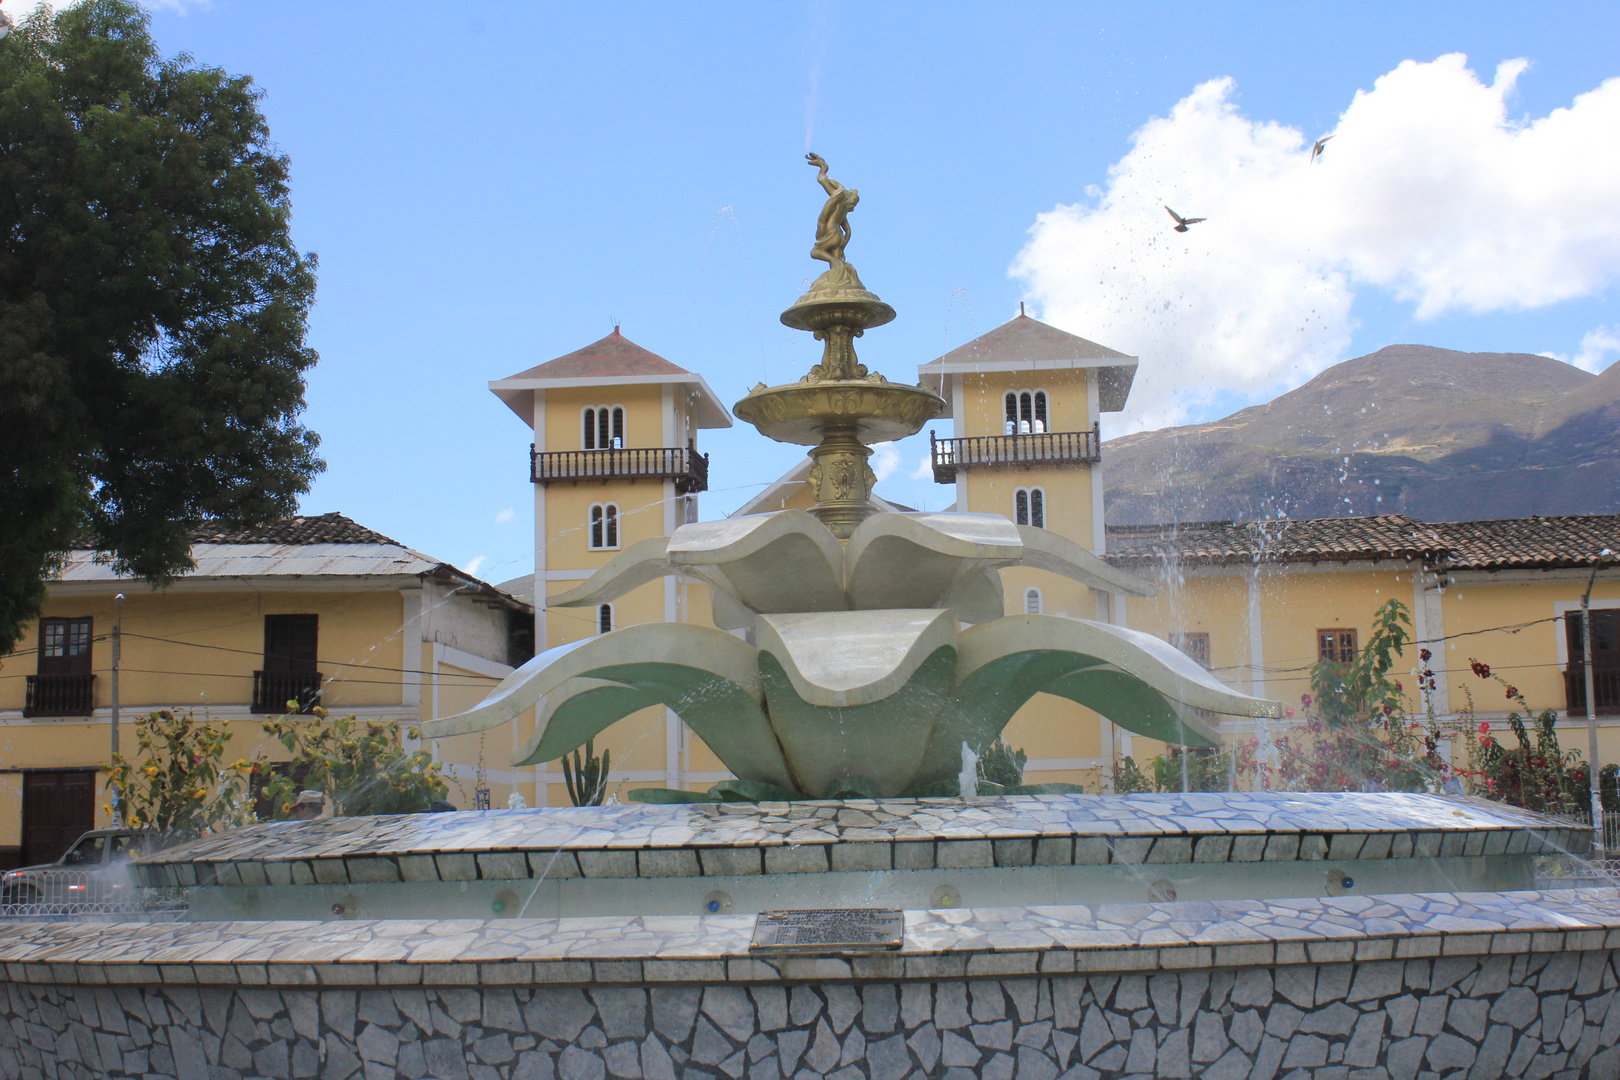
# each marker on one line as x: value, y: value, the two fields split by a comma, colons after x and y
x: 84, y: 895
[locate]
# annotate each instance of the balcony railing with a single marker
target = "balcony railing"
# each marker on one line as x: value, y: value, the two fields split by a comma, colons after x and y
x: 1013, y: 451
x: 272, y: 690
x: 1605, y: 688
x: 60, y: 695
x: 682, y: 464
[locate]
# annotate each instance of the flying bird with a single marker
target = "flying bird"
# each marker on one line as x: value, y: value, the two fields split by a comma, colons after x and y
x: 1183, y: 222
x: 1316, y: 151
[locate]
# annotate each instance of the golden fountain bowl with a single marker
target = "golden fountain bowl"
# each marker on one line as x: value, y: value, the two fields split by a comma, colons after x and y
x: 819, y: 309
x: 801, y: 413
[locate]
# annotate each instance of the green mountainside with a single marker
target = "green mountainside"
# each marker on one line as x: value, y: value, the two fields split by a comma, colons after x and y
x: 1437, y: 434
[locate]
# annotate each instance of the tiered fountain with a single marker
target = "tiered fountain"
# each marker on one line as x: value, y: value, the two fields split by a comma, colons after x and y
x: 931, y: 931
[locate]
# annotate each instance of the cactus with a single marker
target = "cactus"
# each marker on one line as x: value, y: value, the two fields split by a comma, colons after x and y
x: 587, y: 778
x: 1001, y: 765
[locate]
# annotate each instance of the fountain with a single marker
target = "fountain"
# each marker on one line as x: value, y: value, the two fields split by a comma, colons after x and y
x: 849, y: 905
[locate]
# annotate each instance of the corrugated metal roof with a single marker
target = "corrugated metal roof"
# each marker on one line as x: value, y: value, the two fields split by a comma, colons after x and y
x: 325, y: 546
x: 274, y: 560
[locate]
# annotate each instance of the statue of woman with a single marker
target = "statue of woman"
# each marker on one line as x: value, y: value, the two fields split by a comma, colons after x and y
x: 832, y: 227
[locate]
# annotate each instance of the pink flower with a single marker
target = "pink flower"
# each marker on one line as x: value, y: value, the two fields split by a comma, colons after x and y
x: 1484, y: 726
x: 1305, y: 700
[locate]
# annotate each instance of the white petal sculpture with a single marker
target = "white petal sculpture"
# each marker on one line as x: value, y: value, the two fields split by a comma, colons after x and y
x: 859, y: 681
x: 856, y: 678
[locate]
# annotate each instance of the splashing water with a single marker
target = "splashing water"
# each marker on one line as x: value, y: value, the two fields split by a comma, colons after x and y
x: 968, y: 779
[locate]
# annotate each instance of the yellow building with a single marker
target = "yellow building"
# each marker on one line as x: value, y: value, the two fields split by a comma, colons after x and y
x: 312, y: 609
x: 1261, y: 602
x: 1025, y: 402
x: 614, y: 460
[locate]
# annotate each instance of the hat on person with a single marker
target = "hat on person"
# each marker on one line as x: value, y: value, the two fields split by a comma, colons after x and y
x: 310, y: 796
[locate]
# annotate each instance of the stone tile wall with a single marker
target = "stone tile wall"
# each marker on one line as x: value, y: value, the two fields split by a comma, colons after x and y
x: 1531, y: 1014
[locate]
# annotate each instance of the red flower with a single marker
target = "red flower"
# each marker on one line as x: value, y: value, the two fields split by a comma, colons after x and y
x: 1425, y: 655
x: 1484, y: 726
x: 1398, y: 686
x: 1512, y: 692
x: 1388, y: 709
x: 1482, y: 670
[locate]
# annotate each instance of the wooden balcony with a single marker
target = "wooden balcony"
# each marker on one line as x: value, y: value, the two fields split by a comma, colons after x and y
x: 682, y: 464
x: 60, y: 695
x: 1605, y: 688
x: 1013, y: 451
x: 272, y: 690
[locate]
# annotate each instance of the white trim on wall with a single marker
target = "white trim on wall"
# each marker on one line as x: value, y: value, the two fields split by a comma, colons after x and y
x: 1564, y: 607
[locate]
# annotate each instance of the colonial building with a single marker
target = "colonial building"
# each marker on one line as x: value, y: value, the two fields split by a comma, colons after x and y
x: 1258, y: 602
x: 309, y: 610
x: 614, y: 460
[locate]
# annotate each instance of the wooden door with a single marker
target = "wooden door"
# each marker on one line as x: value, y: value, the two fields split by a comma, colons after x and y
x: 58, y: 808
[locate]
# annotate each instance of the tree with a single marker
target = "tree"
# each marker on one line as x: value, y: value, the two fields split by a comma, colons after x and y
x: 153, y: 306
x: 361, y: 765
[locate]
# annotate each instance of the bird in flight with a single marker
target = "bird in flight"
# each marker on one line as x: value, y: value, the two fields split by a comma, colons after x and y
x: 1183, y: 222
x: 1316, y: 151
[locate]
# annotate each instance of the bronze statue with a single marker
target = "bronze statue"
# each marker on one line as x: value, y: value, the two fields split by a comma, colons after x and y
x: 832, y: 227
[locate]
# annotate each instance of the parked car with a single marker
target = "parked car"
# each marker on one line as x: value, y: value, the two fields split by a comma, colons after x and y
x: 90, y: 873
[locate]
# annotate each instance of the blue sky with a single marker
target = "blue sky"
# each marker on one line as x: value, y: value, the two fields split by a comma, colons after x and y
x: 492, y: 185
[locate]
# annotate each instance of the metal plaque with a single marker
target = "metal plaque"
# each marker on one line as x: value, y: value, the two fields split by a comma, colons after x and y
x: 828, y: 930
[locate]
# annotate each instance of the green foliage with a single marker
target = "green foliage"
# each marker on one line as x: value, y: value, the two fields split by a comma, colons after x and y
x: 361, y: 765
x: 174, y: 787
x: 1129, y: 779
x: 1348, y: 694
x: 1539, y: 775
x: 587, y: 778
x: 1003, y: 766
x: 152, y: 304
x: 1360, y: 737
x: 1206, y: 769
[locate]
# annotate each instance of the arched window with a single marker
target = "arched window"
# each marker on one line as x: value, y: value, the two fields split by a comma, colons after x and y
x: 1032, y: 601
x: 1029, y: 507
x: 604, y: 618
x: 602, y: 427
x: 604, y: 526
x: 1025, y: 412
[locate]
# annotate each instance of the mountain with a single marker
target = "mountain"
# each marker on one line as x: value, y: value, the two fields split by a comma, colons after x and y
x: 1436, y: 434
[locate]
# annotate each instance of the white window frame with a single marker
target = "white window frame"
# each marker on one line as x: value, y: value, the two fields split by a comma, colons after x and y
x: 1033, y: 596
x: 604, y: 527
x: 590, y: 427
x: 1034, y: 506
x: 1032, y: 410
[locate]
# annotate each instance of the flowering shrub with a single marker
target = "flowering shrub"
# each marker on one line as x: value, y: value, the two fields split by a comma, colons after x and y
x: 362, y: 765
x: 1542, y: 776
x: 174, y: 787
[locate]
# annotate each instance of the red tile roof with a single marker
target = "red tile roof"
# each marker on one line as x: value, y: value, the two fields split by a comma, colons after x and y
x: 1510, y: 543
x: 613, y: 355
x: 1029, y: 340
x: 1532, y: 541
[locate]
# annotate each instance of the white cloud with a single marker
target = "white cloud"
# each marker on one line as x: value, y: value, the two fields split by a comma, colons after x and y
x: 504, y: 516
x: 1595, y: 346
x: 925, y: 467
x: 884, y: 460
x: 1429, y: 190
x: 477, y: 561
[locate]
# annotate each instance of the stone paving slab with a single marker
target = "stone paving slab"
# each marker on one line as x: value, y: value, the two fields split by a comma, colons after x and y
x: 909, y: 834
x: 938, y: 944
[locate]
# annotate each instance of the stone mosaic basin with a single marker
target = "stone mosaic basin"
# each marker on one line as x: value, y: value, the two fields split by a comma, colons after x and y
x: 850, y: 673
x: 910, y: 854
